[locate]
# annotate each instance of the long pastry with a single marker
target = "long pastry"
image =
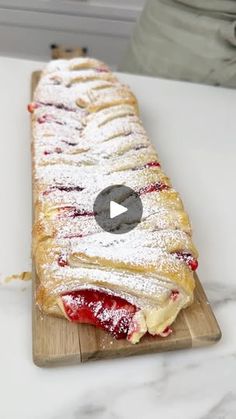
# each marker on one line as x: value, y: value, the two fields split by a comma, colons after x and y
x: 87, y: 135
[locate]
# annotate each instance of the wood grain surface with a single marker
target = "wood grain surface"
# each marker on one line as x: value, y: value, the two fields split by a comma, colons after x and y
x: 57, y: 341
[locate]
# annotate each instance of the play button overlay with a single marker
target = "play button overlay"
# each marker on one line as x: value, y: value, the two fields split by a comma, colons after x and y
x: 118, y: 209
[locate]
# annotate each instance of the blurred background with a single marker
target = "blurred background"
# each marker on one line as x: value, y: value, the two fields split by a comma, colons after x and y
x: 193, y: 40
x: 104, y: 27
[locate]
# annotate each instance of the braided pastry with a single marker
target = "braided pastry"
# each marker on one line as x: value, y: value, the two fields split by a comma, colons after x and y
x: 87, y: 135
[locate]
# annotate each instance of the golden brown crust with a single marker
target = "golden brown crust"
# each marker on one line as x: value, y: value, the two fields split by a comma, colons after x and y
x: 87, y: 135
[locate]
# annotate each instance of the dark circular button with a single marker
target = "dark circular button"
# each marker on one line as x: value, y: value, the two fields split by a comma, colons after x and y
x: 118, y: 209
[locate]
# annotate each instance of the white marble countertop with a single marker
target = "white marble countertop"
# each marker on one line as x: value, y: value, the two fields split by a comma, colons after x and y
x: 193, y: 127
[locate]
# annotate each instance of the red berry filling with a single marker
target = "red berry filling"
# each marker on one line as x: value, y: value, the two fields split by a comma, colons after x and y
x: 166, y: 332
x: 44, y: 118
x: 111, y: 313
x: 174, y: 295
x: 56, y: 150
x: 73, y: 212
x: 152, y: 164
x: 63, y: 189
x: 102, y: 70
x: 58, y: 106
x: 73, y: 236
x: 148, y: 165
x: 32, y: 106
x: 188, y: 258
x: 69, y: 188
x: 48, y: 118
x: 62, y: 261
x: 78, y: 213
x: 108, y: 312
x: 153, y: 187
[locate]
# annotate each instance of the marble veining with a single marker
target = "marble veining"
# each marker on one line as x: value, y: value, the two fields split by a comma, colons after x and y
x: 220, y: 293
x: 224, y: 408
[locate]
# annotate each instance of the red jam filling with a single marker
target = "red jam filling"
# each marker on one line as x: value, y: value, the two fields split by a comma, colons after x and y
x: 72, y: 212
x: 58, y: 106
x: 148, y: 165
x: 32, y: 106
x: 174, y: 295
x: 62, y: 261
x: 188, y: 258
x: 69, y: 188
x: 57, y: 150
x: 152, y: 164
x: 73, y: 236
x: 108, y: 312
x: 166, y: 332
x: 44, y: 118
x: 102, y: 70
x: 78, y: 213
x: 153, y: 187
x: 65, y: 189
x: 48, y: 118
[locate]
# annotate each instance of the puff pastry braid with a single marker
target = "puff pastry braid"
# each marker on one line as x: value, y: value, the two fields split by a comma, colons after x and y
x: 87, y: 135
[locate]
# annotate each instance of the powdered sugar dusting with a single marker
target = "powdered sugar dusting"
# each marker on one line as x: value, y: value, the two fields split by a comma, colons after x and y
x: 88, y: 136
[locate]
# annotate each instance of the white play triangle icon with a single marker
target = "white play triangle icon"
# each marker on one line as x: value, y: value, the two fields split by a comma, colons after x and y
x: 116, y: 209
x: 113, y: 217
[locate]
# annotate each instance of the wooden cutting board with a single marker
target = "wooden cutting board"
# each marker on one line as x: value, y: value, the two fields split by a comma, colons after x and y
x: 58, y: 342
